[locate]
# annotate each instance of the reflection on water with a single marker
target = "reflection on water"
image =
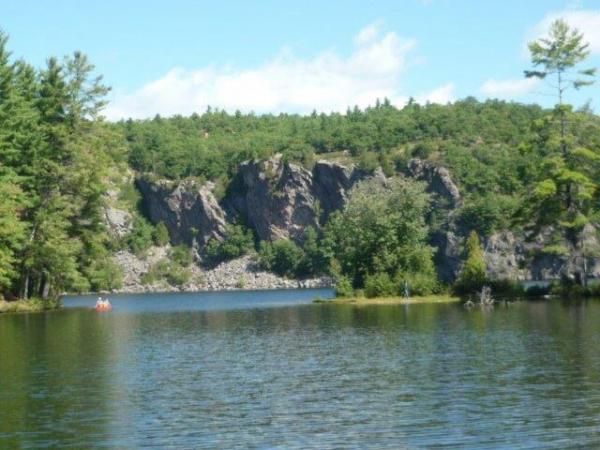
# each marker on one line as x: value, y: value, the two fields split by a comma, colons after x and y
x: 296, y: 376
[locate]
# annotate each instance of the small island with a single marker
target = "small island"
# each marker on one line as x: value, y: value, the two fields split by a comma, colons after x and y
x: 397, y: 300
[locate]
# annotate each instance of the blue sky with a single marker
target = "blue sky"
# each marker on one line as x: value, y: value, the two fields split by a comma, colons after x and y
x: 271, y: 56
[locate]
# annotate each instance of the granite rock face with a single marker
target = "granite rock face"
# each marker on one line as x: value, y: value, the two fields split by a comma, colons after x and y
x: 118, y: 221
x: 438, y: 179
x: 280, y: 200
x: 277, y: 199
x: 332, y: 183
x: 523, y: 257
x: 190, y: 212
x: 273, y: 198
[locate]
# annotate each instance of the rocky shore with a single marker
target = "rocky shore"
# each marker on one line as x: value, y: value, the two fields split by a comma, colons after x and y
x: 239, y: 274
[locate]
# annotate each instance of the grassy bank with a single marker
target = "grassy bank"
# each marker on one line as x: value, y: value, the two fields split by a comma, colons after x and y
x: 31, y: 305
x: 396, y: 300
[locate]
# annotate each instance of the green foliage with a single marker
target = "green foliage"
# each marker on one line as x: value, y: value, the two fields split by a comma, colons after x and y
x: 488, y: 213
x: 368, y: 161
x: 508, y: 288
x: 343, y: 287
x: 417, y: 283
x: 424, y: 149
x: 281, y: 257
x: 214, y: 143
x: 286, y: 258
x: 129, y: 196
x: 161, y: 234
x: 379, y: 285
x: 104, y: 274
x: 568, y: 288
x: 12, y: 230
x: 567, y: 183
x: 237, y: 242
x: 170, y: 271
x: 558, y: 54
x: 182, y: 255
x: 381, y: 230
x: 315, y: 260
x: 54, y: 155
x: 473, y: 275
x: 509, y: 160
x: 141, y: 236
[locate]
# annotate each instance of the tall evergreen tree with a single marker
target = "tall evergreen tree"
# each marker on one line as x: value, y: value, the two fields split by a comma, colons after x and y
x: 569, y: 179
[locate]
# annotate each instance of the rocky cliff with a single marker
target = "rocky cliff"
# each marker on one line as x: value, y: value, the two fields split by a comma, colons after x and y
x: 190, y: 212
x: 278, y: 200
x: 273, y: 198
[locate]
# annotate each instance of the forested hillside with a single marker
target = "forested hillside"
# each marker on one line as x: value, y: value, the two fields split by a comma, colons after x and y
x: 519, y: 168
x: 489, y: 146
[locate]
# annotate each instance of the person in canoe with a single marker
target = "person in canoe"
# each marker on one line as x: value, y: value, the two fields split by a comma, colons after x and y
x: 103, y: 305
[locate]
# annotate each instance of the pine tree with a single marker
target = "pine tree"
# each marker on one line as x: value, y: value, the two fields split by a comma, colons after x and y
x: 568, y: 182
x: 17, y: 139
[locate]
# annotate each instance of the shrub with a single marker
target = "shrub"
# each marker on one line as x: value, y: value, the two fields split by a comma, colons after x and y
x: 379, y: 285
x: 568, y: 288
x: 171, y: 272
x: 220, y: 189
x: 343, y: 287
x: 104, y: 274
x: 156, y: 272
x: 237, y: 242
x: 537, y: 291
x: 177, y: 275
x: 140, y: 238
x: 314, y: 260
x: 506, y: 287
x: 382, y: 228
x: 161, y: 234
x: 281, y: 257
x: 418, y: 283
x: 182, y: 255
x: 424, y: 149
x: 129, y: 196
x: 473, y: 274
x: 488, y: 213
x: 368, y: 161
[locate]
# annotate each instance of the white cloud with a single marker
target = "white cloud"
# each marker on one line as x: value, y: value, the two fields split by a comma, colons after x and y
x: 586, y: 21
x: 441, y: 95
x: 326, y: 82
x: 368, y: 34
x: 508, y: 88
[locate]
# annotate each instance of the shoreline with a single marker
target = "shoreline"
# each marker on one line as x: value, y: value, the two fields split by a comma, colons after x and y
x: 29, y: 306
x: 393, y: 300
x: 151, y: 290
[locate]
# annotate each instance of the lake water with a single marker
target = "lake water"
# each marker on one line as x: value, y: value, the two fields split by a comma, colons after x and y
x: 273, y: 370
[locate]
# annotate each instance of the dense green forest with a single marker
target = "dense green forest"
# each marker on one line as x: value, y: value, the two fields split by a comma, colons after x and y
x: 518, y: 166
x: 54, y: 153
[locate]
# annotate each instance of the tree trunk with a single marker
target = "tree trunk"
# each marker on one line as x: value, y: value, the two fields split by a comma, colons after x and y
x: 25, y: 286
x: 46, y: 289
x: 37, y: 286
